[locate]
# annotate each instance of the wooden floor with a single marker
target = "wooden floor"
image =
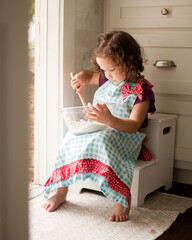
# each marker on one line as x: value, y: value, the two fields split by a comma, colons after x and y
x: 181, y: 189
x: 181, y: 229
x: 34, y: 190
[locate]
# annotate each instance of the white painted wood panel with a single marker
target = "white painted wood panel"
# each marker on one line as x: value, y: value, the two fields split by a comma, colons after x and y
x: 147, y: 14
x: 181, y: 107
x: 139, y: 3
x: 183, y: 150
x: 172, y: 38
x: 163, y: 37
x: 173, y: 45
x: 183, y: 157
x: 170, y: 80
x: 184, y: 133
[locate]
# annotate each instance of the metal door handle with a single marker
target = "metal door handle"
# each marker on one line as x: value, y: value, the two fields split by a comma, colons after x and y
x: 164, y: 64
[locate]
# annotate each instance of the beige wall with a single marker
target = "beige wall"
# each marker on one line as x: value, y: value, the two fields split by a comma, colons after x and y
x: 89, y: 22
x: 13, y: 120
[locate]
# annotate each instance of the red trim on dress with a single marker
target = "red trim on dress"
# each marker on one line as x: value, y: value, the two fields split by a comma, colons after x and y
x: 142, y: 80
x: 144, y: 153
x: 91, y: 166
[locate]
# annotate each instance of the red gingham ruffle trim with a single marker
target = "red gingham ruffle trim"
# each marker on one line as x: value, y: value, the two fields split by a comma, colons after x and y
x: 91, y: 166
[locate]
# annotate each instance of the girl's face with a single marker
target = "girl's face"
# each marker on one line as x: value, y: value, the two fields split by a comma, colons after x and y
x: 112, y: 72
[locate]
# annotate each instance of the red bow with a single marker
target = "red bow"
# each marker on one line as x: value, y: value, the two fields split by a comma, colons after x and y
x: 137, y: 90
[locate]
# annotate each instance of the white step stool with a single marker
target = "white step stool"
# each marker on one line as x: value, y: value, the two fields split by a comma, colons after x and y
x: 149, y: 175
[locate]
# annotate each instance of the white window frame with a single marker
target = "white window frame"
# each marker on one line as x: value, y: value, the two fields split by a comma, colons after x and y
x: 54, y: 60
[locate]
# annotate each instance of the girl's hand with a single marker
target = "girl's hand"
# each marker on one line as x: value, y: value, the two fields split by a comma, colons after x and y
x: 80, y: 80
x: 100, y: 113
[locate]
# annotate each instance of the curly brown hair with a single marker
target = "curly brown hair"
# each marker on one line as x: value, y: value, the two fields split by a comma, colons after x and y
x: 121, y: 48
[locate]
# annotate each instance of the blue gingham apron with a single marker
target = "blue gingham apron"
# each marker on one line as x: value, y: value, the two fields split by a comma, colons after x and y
x: 106, y: 157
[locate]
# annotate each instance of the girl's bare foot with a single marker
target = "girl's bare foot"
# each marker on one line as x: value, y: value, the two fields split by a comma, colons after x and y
x: 119, y: 214
x: 56, y: 200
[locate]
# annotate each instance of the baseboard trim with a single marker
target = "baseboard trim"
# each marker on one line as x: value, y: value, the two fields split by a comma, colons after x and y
x: 181, y: 164
x: 182, y: 176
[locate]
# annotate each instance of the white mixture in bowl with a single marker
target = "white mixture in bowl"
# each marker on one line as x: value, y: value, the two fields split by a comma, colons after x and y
x: 83, y: 126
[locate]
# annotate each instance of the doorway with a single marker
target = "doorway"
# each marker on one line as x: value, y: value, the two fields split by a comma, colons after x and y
x: 53, y: 62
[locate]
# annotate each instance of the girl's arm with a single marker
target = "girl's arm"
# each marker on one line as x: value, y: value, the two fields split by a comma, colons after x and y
x: 80, y: 80
x: 133, y: 123
x: 129, y: 125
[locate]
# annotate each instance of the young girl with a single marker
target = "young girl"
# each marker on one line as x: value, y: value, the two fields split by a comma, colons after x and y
x: 107, y: 157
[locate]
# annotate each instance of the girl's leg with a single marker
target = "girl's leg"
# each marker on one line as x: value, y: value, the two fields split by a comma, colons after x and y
x: 119, y: 214
x: 56, y: 200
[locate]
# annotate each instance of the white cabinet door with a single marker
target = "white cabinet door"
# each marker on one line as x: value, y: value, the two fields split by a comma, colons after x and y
x: 150, y: 14
x: 164, y: 29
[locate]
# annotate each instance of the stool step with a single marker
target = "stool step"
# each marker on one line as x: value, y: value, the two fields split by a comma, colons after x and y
x: 140, y: 164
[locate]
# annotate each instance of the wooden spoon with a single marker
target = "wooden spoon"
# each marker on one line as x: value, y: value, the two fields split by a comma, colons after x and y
x: 80, y: 94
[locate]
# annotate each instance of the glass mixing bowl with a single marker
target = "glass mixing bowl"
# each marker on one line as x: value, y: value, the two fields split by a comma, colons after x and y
x: 77, y: 124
